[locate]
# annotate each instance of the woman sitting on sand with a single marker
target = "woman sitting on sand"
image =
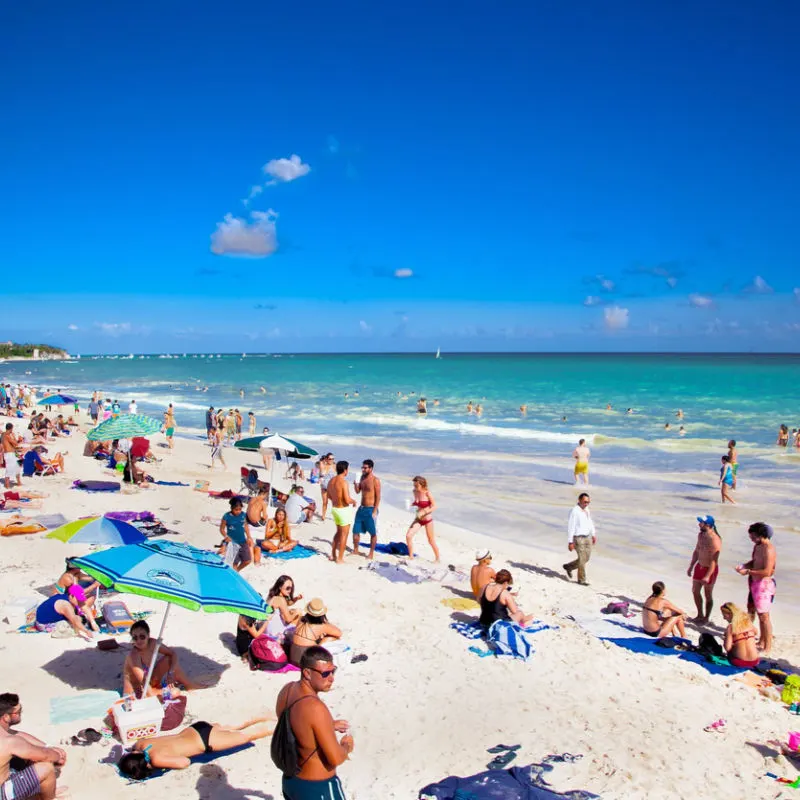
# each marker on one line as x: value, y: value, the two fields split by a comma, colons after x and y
x: 138, y: 662
x: 281, y: 597
x: 176, y: 750
x: 497, y: 603
x: 659, y: 617
x: 740, y: 637
x: 73, y: 575
x: 312, y: 629
x: 247, y: 629
x: 277, y: 536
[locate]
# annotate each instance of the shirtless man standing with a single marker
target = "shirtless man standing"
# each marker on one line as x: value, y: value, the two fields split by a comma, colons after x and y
x: 369, y: 487
x: 704, y: 567
x: 581, y: 455
x: 481, y: 573
x: 760, y: 571
x: 38, y: 778
x: 343, y: 510
x: 315, y: 729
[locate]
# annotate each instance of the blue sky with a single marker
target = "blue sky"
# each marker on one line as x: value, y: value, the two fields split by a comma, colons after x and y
x: 349, y: 176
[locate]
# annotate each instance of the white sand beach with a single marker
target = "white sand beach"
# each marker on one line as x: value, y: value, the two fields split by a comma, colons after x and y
x: 423, y: 706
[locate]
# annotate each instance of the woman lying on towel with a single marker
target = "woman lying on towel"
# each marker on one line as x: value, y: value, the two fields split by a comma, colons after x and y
x: 740, y: 637
x: 659, y: 617
x: 176, y: 750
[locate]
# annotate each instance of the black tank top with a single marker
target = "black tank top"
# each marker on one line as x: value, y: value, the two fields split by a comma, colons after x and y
x: 492, y: 610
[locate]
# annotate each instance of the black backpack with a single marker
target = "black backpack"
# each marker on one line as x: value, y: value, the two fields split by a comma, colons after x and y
x: 283, y: 748
x: 708, y: 646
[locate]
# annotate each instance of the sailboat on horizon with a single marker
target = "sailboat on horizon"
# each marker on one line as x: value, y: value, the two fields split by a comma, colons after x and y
x: 438, y: 352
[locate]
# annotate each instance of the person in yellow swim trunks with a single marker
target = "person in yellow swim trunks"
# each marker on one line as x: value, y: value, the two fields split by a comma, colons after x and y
x: 343, y: 508
x: 581, y: 454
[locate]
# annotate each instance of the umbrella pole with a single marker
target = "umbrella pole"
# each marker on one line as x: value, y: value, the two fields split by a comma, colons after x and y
x: 155, y: 652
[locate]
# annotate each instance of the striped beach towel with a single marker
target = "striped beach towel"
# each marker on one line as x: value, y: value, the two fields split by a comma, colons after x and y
x: 472, y: 630
x: 508, y: 639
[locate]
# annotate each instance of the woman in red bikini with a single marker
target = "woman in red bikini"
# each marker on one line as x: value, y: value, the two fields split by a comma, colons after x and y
x: 425, y: 505
x: 740, y: 637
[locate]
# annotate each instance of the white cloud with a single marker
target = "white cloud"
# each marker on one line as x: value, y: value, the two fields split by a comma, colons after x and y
x: 284, y: 170
x: 235, y: 236
x: 113, y: 328
x: 616, y: 318
x: 759, y: 286
x: 672, y: 282
x: 404, y: 272
x: 365, y: 327
x: 254, y: 192
x: 606, y: 284
x: 700, y: 301
x: 797, y: 295
x: 73, y: 327
x: 592, y: 300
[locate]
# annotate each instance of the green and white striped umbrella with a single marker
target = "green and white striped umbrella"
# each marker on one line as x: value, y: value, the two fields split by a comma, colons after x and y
x: 125, y: 426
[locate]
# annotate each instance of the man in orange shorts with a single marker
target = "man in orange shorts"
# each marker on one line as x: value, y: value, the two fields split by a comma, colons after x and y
x: 704, y: 567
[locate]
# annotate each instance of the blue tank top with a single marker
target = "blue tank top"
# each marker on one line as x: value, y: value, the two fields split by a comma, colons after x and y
x: 46, y: 613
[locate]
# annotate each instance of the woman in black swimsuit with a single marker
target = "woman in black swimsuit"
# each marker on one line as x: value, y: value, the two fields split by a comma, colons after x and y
x: 176, y: 750
x: 659, y: 617
x: 497, y: 602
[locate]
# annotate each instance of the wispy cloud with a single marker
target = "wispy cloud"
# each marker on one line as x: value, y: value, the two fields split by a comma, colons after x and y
x: 404, y: 272
x: 700, y: 300
x: 235, y: 236
x: 758, y: 286
x: 72, y: 327
x: 605, y: 284
x: 254, y: 192
x: 264, y: 307
x: 364, y: 326
x: 593, y: 300
x: 616, y: 318
x: 283, y: 170
x: 113, y: 328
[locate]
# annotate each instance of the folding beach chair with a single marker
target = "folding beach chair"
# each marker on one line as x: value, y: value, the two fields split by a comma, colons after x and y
x: 249, y: 481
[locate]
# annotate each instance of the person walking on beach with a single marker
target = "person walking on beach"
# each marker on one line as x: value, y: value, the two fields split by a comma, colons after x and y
x: 760, y: 572
x: 581, y: 537
x: 235, y: 531
x: 369, y: 487
x: 581, y: 455
x: 318, y: 752
x: 425, y: 505
x: 169, y: 426
x: 343, y: 510
x: 211, y: 422
x: 704, y: 567
x: 38, y: 777
x: 726, y: 481
x: 251, y: 423
x: 216, y: 448
x: 733, y: 458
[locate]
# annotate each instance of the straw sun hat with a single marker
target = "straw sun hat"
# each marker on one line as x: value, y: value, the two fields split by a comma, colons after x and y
x: 316, y: 608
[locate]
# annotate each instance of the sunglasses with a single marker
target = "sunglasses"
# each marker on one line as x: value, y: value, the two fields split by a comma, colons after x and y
x: 325, y: 673
x: 141, y: 637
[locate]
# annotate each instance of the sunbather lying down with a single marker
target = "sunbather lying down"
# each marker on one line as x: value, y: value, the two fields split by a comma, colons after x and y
x: 176, y: 750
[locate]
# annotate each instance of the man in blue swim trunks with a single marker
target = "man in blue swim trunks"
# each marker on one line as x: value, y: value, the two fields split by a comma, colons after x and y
x: 319, y: 752
x: 369, y: 487
x: 27, y: 765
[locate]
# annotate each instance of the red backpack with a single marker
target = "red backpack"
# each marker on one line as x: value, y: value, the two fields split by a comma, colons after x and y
x: 266, y: 653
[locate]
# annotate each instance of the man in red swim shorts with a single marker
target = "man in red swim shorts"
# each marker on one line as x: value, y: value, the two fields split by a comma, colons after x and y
x: 704, y: 567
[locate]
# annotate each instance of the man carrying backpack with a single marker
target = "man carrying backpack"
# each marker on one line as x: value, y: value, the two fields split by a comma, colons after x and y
x: 304, y: 744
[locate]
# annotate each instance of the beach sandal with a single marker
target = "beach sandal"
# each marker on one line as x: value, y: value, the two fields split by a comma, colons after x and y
x: 718, y: 726
x: 359, y: 658
x: 500, y: 762
x: 86, y: 737
x: 502, y: 748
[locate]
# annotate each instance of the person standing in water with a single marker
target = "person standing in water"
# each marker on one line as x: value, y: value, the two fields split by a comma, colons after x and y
x: 733, y: 458
x: 726, y: 480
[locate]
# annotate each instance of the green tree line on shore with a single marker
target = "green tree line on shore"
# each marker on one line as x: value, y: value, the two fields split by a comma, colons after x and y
x: 13, y: 350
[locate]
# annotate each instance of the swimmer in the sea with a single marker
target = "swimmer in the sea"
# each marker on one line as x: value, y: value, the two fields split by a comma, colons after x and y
x: 682, y: 431
x: 667, y: 426
x: 523, y: 409
x: 436, y: 402
x: 263, y: 390
x: 469, y: 407
x: 679, y: 413
x: 629, y: 411
x: 608, y: 406
x: 478, y: 409
x: 422, y: 406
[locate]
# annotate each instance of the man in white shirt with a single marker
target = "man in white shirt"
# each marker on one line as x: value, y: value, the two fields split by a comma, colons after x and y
x: 581, y: 535
x: 298, y: 507
x: 132, y: 407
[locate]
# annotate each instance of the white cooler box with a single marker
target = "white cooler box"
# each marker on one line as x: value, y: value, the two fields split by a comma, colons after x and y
x: 143, y: 720
x: 18, y: 610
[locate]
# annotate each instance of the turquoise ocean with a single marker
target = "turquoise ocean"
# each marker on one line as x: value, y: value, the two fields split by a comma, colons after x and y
x: 369, y: 401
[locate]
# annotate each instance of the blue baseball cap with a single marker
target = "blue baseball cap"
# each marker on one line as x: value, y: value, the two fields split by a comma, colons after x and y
x: 707, y: 520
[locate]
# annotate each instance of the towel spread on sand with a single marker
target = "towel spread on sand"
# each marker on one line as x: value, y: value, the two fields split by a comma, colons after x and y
x: 472, y: 630
x: 297, y: 552
x: 82, y: 706
x: 169, y: 483
x: 97, y: 486
x: 517, y: 783
x: 51, y: 521
x: 410, y: 573
x: 389, y: 549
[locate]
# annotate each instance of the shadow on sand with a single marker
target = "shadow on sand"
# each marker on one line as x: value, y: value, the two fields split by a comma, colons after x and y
x: 545, y: 572
x: 95, y: 669
x: 213, y: 785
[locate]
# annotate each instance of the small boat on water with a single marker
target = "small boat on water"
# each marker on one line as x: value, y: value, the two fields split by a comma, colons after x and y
x: 438, y: 352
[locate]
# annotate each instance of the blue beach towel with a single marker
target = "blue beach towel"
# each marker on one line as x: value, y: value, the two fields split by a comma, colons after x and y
x: 82, y: 706
x: 169, y: 483
x: 97, y: 486
x: 648, y: 646
x: 117, y: 752
x: 298, y: 552
x: 472, y: 630
x: 390, y: 549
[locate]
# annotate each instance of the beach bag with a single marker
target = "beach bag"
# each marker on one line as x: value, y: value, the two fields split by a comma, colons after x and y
x: 267, y: 654
x: 709, y: 647
x: 791, y: 690
x: 283, y: 747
